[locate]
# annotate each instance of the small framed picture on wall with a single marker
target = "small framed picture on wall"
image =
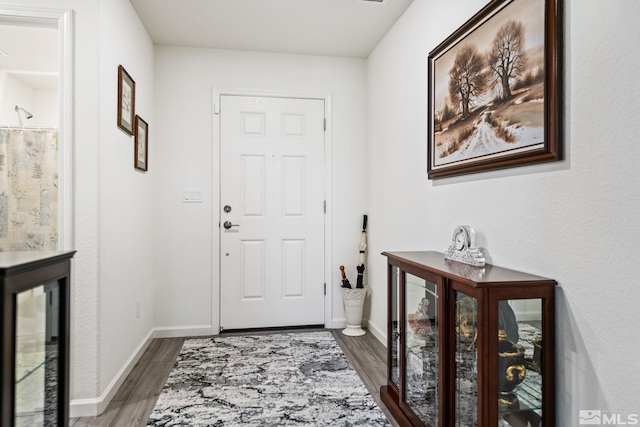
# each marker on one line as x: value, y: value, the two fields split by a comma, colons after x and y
x: 126, y: 101
x: 141, y: 155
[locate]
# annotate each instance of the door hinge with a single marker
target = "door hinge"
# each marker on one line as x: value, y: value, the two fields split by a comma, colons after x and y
x: 325, y: 289
x: 325, y: 124
x: 216, y: 108
x: 325, y: 206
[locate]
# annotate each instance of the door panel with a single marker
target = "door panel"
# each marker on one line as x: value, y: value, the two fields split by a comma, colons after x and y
x: 272, y: 178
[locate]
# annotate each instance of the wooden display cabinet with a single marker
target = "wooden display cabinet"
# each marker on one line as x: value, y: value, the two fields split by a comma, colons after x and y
x: 465, y: 344
x: 34, y: 362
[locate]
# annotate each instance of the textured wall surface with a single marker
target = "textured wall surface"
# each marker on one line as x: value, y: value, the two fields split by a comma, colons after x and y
x: 574, y: 220
x: 125, y: 230
x: 111, y: 233
x: 187, y: 241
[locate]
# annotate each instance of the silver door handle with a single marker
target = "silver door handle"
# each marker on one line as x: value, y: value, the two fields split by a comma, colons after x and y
x: 228, y: 225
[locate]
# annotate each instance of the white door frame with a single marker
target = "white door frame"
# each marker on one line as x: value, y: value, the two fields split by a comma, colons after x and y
x: 215, y: 196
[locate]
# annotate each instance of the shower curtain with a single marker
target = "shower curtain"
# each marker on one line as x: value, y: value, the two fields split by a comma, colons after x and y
x: 28, y: 189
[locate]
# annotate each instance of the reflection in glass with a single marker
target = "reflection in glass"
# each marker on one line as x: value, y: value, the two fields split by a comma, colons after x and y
x: 466, y: 360
x: 36, y: 356
x: 395, y: 332
x: 421, y: 348
x: 520, y: 365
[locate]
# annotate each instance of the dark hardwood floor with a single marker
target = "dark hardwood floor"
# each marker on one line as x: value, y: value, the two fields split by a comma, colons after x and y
x: 134, y: 401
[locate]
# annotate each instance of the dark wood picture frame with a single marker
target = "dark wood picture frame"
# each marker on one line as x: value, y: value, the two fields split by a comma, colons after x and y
x: 495, y: 90
x: 141, y: 142
x: 126, y: 101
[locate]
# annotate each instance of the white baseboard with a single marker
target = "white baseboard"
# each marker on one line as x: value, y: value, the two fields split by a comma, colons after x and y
x: 380, y: 334
x: 85, y: 407
x: 94, y: 407
x: 342, y: 323
x: 183, y: 331
x: 338, y: 323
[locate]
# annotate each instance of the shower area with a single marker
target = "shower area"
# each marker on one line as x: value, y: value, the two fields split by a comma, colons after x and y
x: 29, y: 120
x: 28, y: 189
x: 29, y: 202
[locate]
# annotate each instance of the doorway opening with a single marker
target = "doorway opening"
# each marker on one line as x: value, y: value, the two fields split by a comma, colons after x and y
x: 35, y: 183
x: 35, y: 129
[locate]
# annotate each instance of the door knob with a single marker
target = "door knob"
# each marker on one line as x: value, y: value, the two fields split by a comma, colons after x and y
x: 228, y: 225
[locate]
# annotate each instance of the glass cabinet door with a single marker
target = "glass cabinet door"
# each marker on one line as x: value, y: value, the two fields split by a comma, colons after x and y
x: 421, y: 348
x: 520, y: 362
x: 36, y: 356
x: 466, y: 360
x: 394, y: 340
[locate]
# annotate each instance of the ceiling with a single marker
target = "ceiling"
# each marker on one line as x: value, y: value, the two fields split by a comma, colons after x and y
x: 30, y: 54
x: 347, y: 28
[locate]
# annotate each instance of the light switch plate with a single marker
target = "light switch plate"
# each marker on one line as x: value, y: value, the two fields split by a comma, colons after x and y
x: 191, y: 195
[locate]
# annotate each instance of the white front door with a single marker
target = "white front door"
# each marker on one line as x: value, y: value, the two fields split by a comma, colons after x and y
x: 272, y: 212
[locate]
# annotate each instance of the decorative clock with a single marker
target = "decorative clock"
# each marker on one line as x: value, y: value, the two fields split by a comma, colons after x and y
x: 463, y: 247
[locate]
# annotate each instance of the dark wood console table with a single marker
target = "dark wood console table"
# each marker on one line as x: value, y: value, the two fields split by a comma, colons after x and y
x: 34, y: 366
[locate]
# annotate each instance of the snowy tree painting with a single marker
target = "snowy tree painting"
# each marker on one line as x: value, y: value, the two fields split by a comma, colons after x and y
x: 487, y: 87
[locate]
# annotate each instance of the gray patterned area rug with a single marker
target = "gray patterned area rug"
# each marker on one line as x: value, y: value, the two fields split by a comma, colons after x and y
x: 289, y: 379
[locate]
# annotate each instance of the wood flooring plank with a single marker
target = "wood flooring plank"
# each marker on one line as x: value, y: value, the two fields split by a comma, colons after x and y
x: 136, y: 409
x: 373, y: 356
x: 104, y: 420
x: 368, y: 358
x: 168, y: 350
x: 150, y: 351
x: 134, y: 376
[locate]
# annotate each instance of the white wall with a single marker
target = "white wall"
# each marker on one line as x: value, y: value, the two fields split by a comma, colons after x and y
x: 569, y: 220
x: 43, y: 104
x: 14, y: 92
x: 32, y: 84
x: 187, y: 244
x: 46, y: 109
x: 84, y: 310
x: 113, y: 205
x: 125, y: 227
x: 574, y: 220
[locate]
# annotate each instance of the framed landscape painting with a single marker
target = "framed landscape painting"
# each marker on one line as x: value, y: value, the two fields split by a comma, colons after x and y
x: 495, y: 90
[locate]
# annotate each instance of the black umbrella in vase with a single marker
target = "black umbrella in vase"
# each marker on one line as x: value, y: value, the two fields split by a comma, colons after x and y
x: 361, y: 256
x: 345, y: 281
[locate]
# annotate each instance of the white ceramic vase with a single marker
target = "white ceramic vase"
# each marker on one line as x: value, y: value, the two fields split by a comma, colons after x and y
x: 353, y: 305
